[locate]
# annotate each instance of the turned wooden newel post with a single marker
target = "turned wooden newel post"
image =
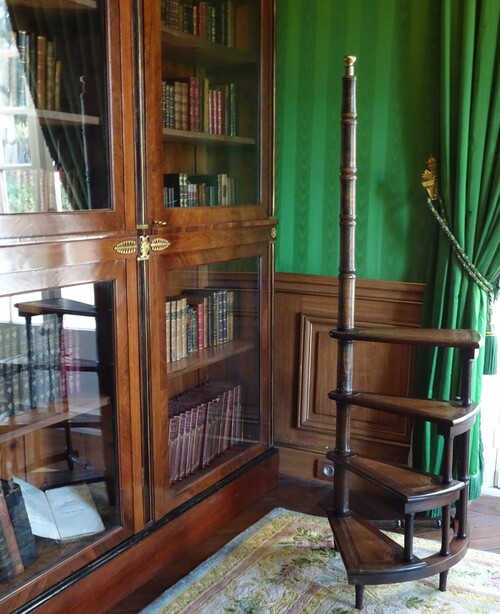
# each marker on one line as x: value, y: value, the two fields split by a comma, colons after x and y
x: 347, y: 277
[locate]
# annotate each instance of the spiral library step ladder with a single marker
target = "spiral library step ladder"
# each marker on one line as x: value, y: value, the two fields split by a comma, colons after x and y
x: 369, y: 555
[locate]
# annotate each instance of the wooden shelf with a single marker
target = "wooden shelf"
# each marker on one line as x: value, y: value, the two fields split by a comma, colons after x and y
x: 59, y: 305
x: 34, y: 419
x: 187, y: 48
x: 52, y: 118
x: 187, y: 136
x: 228, y: 455
x: 208, y: 356
x: 49, y: 5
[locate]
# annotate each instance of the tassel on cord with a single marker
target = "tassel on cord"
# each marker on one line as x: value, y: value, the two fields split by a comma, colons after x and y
x: 490, y: 344
x: 429, y: 183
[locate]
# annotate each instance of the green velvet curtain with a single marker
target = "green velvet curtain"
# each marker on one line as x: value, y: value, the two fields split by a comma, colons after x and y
x: 469, y: 172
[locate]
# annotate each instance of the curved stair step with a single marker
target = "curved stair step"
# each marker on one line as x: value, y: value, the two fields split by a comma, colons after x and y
x: 371, y: 557
x: 434, y: 337
x: 452, y: 418
x: 416, y: 491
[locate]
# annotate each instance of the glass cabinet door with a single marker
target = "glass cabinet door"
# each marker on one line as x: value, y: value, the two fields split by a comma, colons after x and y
x: 62, y: 452
x: 56, y: 115
x: 209, y: 370
x: 210, y: 92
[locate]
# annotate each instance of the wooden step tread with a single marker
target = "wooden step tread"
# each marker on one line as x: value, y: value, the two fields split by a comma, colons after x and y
x: 435, y: 337
x: 367, y: 553
x: 416, y: 491
x: 371, y: 557
x: 447, y: 414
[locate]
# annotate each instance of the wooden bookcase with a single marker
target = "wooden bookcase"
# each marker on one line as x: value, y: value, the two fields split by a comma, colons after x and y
x: 99, y: 385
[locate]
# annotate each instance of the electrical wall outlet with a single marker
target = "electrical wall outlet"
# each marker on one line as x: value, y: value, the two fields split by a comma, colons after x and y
x: 324, y: 470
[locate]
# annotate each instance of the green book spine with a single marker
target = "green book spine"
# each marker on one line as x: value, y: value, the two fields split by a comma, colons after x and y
x: 10, y: 537
x: 20, y: 522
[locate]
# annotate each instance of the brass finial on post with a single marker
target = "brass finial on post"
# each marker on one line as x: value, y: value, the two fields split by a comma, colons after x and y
x: 349, y: 61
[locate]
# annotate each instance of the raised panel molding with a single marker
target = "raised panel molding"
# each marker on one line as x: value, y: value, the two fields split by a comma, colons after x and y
x: 384, y: 369
x: 305, y: 367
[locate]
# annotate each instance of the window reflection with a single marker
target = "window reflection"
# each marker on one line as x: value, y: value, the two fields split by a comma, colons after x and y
x: 52, y: 154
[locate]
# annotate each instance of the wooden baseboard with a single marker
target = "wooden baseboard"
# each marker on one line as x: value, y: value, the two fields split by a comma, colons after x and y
x: 133, y: 566
x: 302, y: 464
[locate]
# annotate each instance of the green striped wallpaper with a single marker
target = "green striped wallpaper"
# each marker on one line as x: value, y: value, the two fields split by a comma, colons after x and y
x: 396, y: 43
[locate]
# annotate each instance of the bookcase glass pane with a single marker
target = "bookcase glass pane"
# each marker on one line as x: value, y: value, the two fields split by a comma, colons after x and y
x: 53, y: 150
x: 210, y: 103
x: 57, y: 425
x: 213, y: 341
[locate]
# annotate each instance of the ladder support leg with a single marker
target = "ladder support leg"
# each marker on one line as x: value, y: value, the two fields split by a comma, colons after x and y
x: 409, y: 534
x: 445, y: 531
x: 360, y: 589
x: 463, y: 476
x: 443, y: 576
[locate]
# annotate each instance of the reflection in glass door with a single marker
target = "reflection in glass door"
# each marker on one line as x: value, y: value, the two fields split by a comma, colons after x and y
x: 52, y: 100
x: 57, y: 418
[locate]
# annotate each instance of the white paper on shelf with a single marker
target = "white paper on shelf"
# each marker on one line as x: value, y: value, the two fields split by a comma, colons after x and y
x: 63, y: 513
x: 74, y: 511
x: 38, y: 509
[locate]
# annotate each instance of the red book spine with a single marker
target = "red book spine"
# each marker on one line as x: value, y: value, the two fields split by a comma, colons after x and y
x: 194, y: 104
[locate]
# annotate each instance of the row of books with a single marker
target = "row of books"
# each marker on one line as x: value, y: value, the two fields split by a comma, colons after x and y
x: 198, y: 319
x: 32, y: 70
x: 194, y: 104
x: 22, y: 387
x: 185, y: 190
x: 213, y: 21
x: 50, y: 377
x: 203, y: 423
x: 17, y: 545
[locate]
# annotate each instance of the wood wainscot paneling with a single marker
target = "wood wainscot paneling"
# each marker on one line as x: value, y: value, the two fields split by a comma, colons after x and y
x: 306, y: 362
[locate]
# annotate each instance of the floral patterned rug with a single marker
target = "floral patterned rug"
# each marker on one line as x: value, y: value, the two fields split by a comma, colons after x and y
x: 286, y: 564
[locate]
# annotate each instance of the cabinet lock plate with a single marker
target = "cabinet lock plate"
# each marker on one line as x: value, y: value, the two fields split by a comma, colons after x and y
x: 146, y: 245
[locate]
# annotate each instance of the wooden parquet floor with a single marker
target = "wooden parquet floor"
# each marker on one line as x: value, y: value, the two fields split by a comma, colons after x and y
x: 302, y: 496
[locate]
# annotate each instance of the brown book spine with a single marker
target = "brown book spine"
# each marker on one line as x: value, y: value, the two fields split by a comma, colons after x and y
x: 10, y: 536
x: 230, y: 24
x: 57, y: 86
x: 50, y: 76
x: 41, y: 71
x: 178, y: 105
